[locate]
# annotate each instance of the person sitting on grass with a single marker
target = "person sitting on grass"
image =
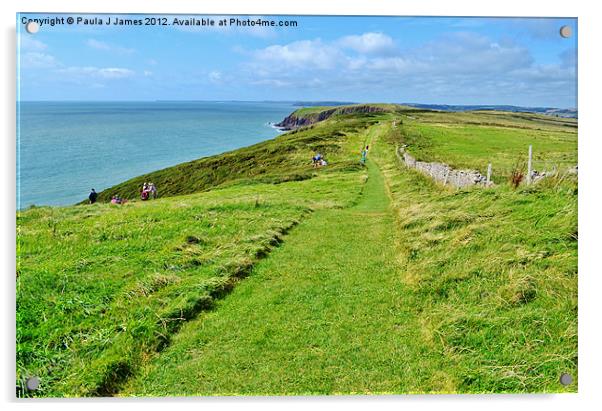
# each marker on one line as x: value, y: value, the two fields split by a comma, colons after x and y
x: 316, y: 159
x: 118, y: 200
x: 144, y: 194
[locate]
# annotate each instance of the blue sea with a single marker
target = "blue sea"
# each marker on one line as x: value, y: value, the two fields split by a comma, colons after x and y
x: 66, y: 148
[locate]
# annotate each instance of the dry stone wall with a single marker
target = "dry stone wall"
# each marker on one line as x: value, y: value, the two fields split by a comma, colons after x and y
x: 444, y: 174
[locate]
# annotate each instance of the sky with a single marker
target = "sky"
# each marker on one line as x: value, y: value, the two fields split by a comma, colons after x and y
x: 431, y: 60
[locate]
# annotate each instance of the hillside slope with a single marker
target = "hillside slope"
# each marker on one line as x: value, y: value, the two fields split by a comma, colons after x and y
x: 356, y: 279
x: 284, y: 158
x: 101, y: 287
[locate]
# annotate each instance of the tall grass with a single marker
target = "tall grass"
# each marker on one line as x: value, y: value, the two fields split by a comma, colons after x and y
x: 493, y: 274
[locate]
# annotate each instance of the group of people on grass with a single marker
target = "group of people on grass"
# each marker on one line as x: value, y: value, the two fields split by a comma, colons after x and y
x: 318, y: 161
x: 114, y: 200
x: 149, y: 190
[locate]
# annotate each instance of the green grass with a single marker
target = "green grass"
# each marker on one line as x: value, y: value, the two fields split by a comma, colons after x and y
x: 315, y: 110
x: 472, y: 140
x: 388, y: 282
x: 494, y: 273
x: 100, y: 287
x: 302, y: 112
x: 325, y: 314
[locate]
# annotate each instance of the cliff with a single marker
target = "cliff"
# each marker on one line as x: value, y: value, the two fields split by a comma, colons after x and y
x: 308, y: 116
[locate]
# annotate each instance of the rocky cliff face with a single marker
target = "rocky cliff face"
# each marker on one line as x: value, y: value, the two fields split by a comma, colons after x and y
x: 295, y: 121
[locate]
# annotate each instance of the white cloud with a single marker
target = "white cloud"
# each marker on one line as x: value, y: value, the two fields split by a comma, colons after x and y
x: 101, y: 45
x: 115, y: 72
x: 215, y: 76
x: 300, y: 54
x: 448, y: 68
x: 454, y: 54
x: 466, y: 52
x: 108, y: 73
x: 29, y: 43
x: 147, y: 73
x: 369, y: 43
x: 38, y: 60
x: 271, y: 82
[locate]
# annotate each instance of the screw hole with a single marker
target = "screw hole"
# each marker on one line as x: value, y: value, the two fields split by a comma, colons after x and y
x: 566, y: 379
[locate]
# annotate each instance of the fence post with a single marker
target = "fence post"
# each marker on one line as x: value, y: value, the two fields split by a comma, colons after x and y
x: 489, y: 174
x: 529, y: 165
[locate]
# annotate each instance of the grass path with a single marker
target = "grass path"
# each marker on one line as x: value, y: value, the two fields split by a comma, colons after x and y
x: 323, y: 314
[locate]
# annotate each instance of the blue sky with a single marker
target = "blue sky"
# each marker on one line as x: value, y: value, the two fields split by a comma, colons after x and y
x: 434, y: 60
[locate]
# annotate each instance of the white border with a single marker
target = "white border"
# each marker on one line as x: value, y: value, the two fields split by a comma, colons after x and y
x: 590, y: 140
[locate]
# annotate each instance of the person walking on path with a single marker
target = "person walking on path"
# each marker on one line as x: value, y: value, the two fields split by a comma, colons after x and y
x: 93, y: 196
x: 364, y: 155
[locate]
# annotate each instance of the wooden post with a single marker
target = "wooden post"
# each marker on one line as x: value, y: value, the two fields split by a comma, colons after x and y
x: 489, y: 174
x: 529, y: 165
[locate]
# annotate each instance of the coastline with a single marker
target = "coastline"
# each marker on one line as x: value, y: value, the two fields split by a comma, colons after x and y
x: 119, y: 141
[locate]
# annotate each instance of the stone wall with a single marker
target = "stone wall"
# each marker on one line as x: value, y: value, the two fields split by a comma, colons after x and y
x: 444, y: 174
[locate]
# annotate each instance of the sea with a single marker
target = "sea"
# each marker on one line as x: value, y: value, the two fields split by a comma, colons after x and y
x: 66, y: 148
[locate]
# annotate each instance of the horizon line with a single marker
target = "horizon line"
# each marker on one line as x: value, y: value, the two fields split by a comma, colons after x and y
x: 294, y: 101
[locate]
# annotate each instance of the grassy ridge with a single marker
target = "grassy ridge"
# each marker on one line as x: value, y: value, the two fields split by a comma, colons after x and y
x: 316, y: 110
x: 392, y: 286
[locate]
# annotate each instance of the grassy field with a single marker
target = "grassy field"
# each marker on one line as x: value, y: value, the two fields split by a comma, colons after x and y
x: 356, y: 279
x: 494, y: 274
x: 472, y: 140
